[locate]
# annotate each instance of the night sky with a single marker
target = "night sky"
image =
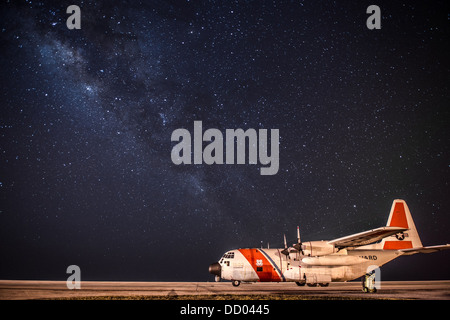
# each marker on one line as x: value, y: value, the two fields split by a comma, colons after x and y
x: 86, y: 175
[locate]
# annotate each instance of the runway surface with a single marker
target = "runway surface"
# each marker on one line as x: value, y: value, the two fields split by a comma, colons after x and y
x: 24, y: 290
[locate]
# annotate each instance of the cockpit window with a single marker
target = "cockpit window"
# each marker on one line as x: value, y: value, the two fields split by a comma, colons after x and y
x: 228, y: 255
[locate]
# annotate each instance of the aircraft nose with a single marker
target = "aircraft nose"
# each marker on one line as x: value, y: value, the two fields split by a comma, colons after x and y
x: 215, y: 269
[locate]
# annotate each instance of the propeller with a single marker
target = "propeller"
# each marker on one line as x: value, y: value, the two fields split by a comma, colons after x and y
x: 298, y: 245
x: 285, y: 251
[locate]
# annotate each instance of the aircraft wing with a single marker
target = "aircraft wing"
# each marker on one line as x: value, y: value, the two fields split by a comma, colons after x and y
x: 366, y: 237
x: 408, y: 252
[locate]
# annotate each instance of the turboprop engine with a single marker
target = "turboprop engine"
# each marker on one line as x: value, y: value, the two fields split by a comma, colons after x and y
x: 310, y: 248
x: 317, y: 248
x: 333, y: 260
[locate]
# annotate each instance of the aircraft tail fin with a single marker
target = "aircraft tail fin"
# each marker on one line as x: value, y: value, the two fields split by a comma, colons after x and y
x: 400, y: 216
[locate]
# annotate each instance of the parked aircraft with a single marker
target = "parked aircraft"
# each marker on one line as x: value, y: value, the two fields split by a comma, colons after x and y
x: 321, y: 262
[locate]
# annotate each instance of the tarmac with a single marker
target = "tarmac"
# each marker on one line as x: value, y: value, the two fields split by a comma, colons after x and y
x: 398, y: 290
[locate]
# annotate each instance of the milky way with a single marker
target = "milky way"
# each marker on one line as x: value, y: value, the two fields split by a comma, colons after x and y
x: 86, y: 175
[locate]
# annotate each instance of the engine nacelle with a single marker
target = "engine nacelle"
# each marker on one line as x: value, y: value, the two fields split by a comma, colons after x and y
x: 317, y: 248
x: 333, y: 260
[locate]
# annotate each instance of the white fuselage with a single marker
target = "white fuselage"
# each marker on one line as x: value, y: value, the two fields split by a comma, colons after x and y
x: 271, y: 265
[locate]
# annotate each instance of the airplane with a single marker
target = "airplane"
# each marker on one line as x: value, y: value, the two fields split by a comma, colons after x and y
x: 321, y: 262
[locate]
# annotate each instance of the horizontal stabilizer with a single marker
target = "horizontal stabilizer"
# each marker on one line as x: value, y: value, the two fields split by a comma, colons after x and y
x: 430, y: 249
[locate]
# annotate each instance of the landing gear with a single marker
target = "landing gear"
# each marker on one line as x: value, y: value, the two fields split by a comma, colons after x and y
x: 236, y: 283
x: 301, y: 284
x: 368, y: 283
x: 366, y: 290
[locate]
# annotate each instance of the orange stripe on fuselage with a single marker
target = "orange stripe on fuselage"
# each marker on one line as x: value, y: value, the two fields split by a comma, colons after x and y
x: 263, y: 268
x: 397, y: 245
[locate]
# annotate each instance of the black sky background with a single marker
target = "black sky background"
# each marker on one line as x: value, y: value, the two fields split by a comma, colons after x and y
x: 86, y: 118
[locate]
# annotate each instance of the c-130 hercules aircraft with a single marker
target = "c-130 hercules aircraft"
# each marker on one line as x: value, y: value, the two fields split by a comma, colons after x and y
x: 321, y: 262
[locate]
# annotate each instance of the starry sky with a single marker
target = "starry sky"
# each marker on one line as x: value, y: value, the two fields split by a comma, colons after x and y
x: 86, y: 175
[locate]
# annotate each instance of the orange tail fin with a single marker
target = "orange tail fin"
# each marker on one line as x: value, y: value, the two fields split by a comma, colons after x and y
x: 400, y: 216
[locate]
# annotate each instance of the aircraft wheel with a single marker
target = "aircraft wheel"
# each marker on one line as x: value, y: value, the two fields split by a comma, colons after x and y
x: 312, y: 284
x: 236, y: 283
x: 365, y: 289
x: 323, y: 284
x: 301, y: 284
